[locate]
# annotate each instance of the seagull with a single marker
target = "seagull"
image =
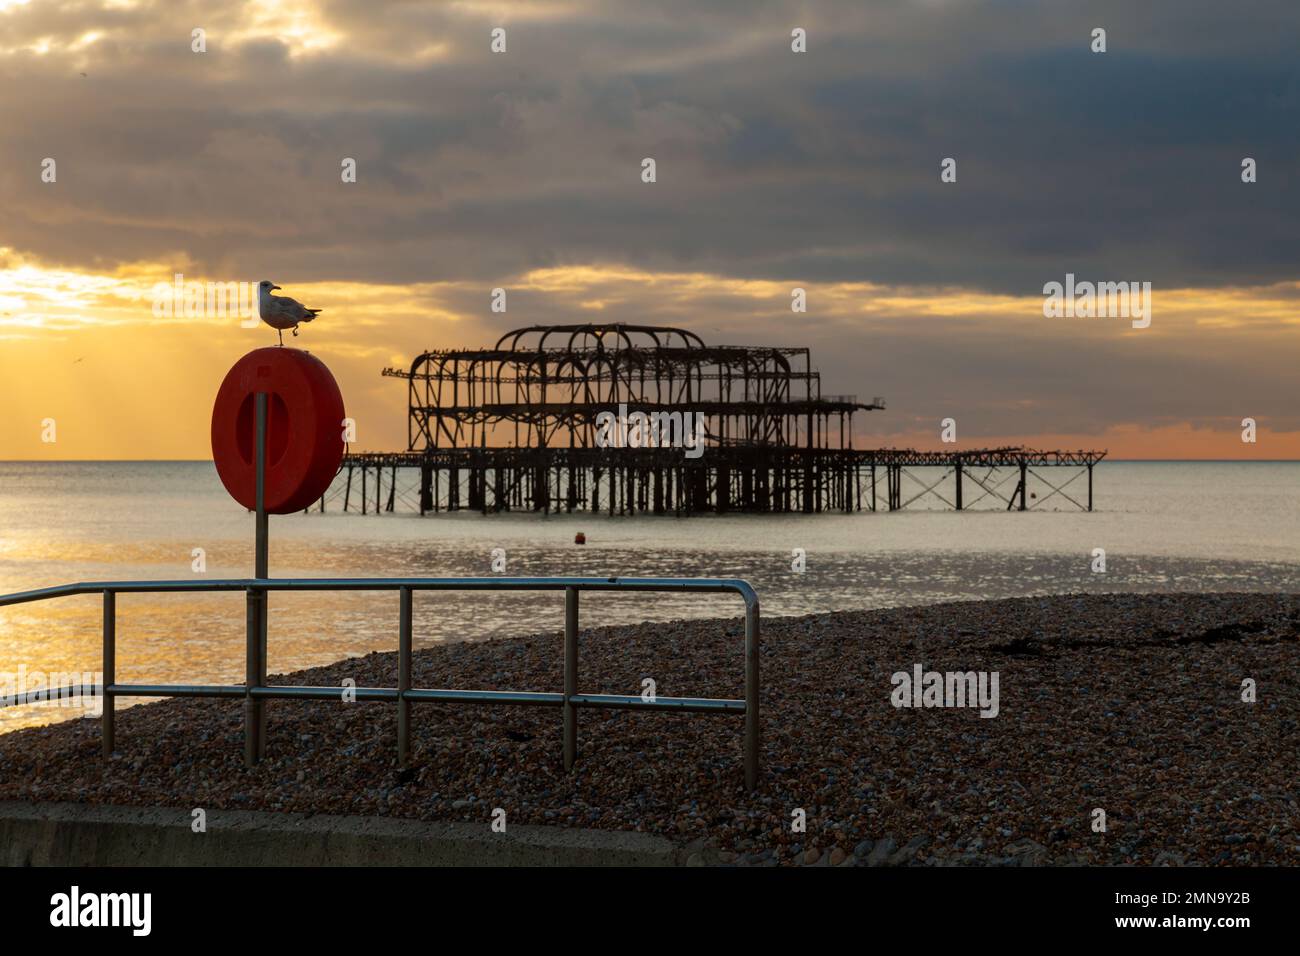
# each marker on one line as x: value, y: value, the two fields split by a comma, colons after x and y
x: 281, y: 312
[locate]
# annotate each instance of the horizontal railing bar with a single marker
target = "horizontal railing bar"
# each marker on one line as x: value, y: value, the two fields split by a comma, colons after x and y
x: 391, y: 694
x: 699, y: 705
x: 525, y: 698
x: 306, y: 692
x: 176, y: 690
x: 388, y: 584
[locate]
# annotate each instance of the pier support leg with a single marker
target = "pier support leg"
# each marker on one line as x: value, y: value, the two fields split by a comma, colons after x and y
x: 894, y: 483
x: 426, y: 487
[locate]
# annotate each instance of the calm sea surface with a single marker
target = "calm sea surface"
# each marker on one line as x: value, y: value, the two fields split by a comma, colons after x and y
x: 1184, y: 526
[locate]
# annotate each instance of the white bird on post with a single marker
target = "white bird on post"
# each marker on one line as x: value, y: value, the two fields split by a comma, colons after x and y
x: 281, y: 312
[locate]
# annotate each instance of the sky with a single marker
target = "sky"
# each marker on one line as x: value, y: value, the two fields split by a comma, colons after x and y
x: 774, y: 170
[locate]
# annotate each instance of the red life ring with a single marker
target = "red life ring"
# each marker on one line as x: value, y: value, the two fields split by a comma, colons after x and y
x: 304, y: 434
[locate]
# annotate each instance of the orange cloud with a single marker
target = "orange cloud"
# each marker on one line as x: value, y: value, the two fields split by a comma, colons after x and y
x: 86, y: 350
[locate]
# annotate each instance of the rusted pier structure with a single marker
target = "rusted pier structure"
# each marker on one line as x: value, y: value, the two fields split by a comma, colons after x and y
x: 893, y: 479
x: 525, y: 425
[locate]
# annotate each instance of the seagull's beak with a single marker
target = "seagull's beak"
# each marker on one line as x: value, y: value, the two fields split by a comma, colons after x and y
x: 274, y: 287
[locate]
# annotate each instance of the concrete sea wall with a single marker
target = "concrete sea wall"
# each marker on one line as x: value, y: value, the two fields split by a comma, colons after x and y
x: 70, y: 834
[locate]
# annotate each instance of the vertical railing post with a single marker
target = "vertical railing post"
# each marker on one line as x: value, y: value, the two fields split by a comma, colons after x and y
x: 109, y: 676
x: 261, y: 548
x: 752, y: 726
x: 255, y: 630
x: 570, y: 676
x: 252, y: 707
x: 403, y: 677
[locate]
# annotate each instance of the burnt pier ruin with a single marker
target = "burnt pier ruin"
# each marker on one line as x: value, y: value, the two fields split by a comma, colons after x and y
x: 527, y: 425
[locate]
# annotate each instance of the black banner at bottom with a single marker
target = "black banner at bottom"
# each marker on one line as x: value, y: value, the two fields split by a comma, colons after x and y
x: 341, y: 907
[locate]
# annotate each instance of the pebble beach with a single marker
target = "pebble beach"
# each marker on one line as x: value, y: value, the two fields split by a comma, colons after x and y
x: 1129, y: 704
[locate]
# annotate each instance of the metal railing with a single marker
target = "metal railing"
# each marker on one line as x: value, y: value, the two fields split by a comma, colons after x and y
x: 255, y: 690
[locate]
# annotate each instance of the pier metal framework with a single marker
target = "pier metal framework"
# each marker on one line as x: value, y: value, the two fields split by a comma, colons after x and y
x: 518, y: 427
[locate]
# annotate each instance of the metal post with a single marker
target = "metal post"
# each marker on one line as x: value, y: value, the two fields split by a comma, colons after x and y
x: 426, y: 485
x: 404, y: 677
x: 570, y: 676
x: 1089, y: 486
x: 252, y: 707
x: 255, y: 633
x: 752, y: 726
x: 110, y: 670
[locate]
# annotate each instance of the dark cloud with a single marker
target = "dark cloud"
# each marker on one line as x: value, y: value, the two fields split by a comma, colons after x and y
x: 822, y: 166
x: 805, y: 169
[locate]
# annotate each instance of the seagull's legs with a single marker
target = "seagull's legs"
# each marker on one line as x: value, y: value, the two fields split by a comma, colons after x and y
x: 281, y: 334
x: 295, y: 330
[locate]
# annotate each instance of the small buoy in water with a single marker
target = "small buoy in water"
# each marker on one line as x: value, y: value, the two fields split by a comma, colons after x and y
x: 579, y: 538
